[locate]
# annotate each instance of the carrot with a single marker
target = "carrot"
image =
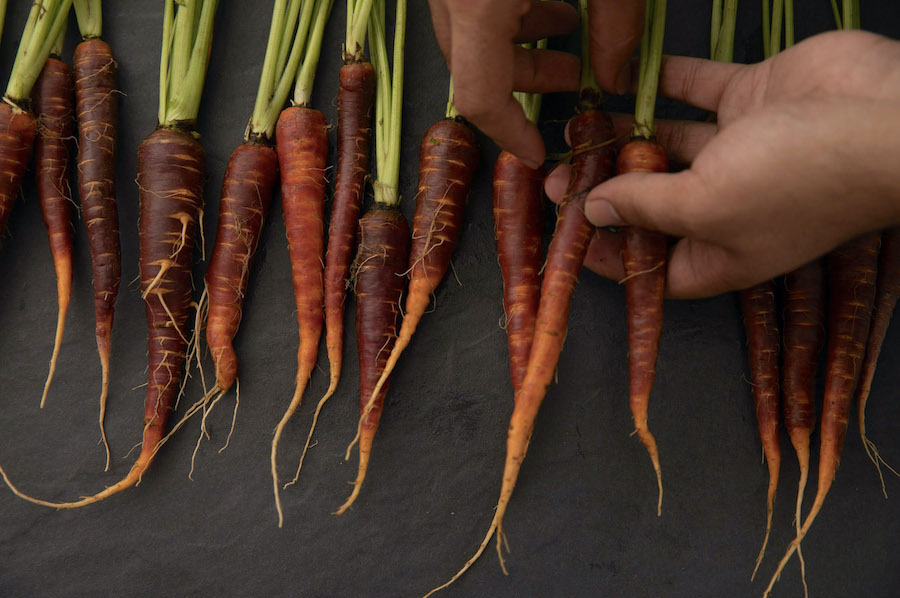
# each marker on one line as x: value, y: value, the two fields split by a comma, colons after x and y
x: 887, y: 293
x: 356, y: 96
x: 591, y: 134
x: 448, y: 157
x: 53, y: 102
x: 517, y: 226
x: 170, y: 178
x: 759, y: 311
x: 303, y: 155
x: 852, y: 270
x: 804, y: 334
x: 97, y: 107
x: 381, y: 258
x: 644, y: 258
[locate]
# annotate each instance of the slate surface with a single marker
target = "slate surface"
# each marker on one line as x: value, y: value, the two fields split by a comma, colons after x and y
x: 583, y: 519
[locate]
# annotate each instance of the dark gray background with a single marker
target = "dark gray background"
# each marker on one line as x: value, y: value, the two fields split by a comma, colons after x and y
x: 583, y: 519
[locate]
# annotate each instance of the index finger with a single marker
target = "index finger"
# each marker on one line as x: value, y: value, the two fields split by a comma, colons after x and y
x: 615, y: 29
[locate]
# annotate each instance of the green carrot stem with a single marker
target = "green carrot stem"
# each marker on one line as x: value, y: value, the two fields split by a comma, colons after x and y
x: 588, y: 80
x: 378, y: 54
x: 715, y: 27
x: 89, y: 15
x: 183, y: 92
x: 351, y: 6
x: 452, y: 112
x: 2, y: 15
x: 303, y: 90
x: 270, y: 64
x: 788, y: 23
x: 649, y: 82
x: 837, y: 14
x: 57, y: 48
x: 766, y: 27
x: 777, y: 22
x: 356, y: 37
x: 725, y: 49
x: 287, y: 36
x: 45, y: 22
x: 390, y: 91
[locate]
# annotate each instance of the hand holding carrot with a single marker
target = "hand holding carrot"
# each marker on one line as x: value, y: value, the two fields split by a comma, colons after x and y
x: 799, y: 161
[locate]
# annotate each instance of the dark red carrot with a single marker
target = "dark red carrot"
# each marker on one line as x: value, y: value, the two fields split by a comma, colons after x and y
x: 644, y: 258
x: 804, y: 334
x: 852, y: 270
x: 97, y: 109
x: 760, y: 315
x: 17, y: 131
x: 378, y: 282
x: 448, y: 157
x: 53, y: 103
x: 888, y: 291
x: 591, y: 134
x: 302, y: 137
x: 518, y: 213
x: 356, y: 95
x: 246, y: 195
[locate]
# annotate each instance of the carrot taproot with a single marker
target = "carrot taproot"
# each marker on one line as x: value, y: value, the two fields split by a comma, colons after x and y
x: 302, y: 138
x: 803, y: 337
x: 448, y: 157
x: 378, y: 282
x: 887, y: 293
x: 53, y: 103
x: 517, y: 209
x: 644, y: 258
x: 247, y: 188
x: 852, y: 272
x: 97, y: 109
x: 592, y: 135
x: 356, y: 96
x: 760, y: 315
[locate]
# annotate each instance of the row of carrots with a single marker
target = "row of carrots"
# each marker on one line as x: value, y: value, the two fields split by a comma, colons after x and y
x: 377, y: 255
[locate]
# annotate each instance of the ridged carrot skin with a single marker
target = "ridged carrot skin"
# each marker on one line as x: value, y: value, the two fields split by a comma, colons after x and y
x: 53, y: 103
x: 356, y: 95
x: 380, y: 263
x: 247, y: 189
x: 302, y: 140
x: 17, y: 130
x: 760, y: 315
x: 644, y: 258
x: 804, y: 335
x: 888, y: 291
x: 448, y: 158
x: 97, y: 107
x: 852, y: 273
x: 592, y: 135
x: 171, y: 171
x: 518, y: 223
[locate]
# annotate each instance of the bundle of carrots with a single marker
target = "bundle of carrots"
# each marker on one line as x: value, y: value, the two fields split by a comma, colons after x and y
x: 170, y: 177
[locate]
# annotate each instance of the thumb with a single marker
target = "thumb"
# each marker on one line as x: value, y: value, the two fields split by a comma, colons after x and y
x: 655, y: 201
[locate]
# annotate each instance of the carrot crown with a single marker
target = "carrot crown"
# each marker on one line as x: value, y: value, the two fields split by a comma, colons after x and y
x: 45, y: 22
x: 648, y: 72
x: 89, y: 15
x: 388, y: 101
x: 187, y: 35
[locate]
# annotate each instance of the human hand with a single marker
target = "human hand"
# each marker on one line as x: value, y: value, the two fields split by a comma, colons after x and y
x: 802, y: 158
x: 478, y: 39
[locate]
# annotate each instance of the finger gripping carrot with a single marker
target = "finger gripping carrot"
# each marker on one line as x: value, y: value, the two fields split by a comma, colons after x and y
x: 761, y: 326
x: 380, y: 263
x: 53, y: 102
x: 246, y: 196
x: 17, y: 131
x: 518, y: 225
x: 302, y: 137
x: 97, y: 111
x: 852, y: 271
x: 644, y: 258
x: 355, y: 97
x: 448, y: 157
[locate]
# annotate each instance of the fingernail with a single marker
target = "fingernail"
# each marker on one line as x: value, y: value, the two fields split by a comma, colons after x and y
x: 531, y: 163
x: 623, y: 80
x: 602, y: 213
